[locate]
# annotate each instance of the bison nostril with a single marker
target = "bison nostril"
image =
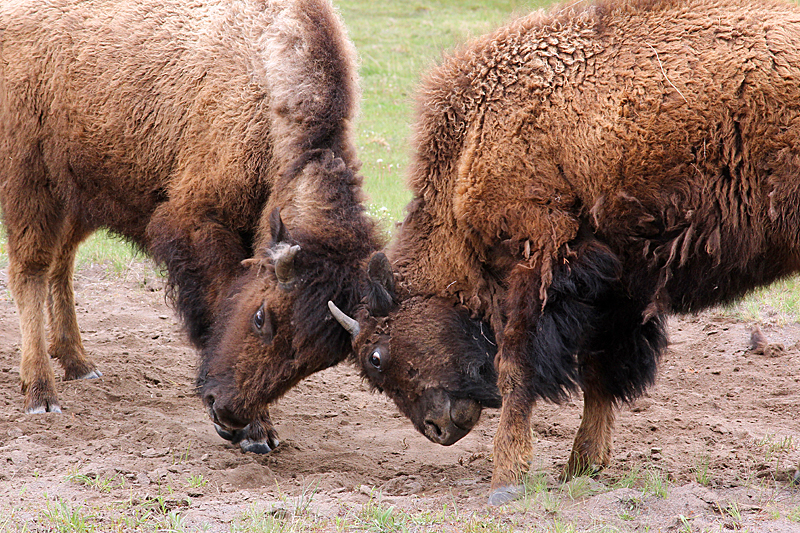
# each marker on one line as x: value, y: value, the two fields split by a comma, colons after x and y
x: 434, y: 427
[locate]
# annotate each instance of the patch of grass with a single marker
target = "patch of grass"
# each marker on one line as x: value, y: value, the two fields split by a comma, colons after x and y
x: 103, y: 484
x: 779, y: 303
x: 656, y: 483
x: 776, y: 449
x: 701, y: 471
x: 60, y: 516
x: 196, y: 481
x: 397, y: 42
x: 380, y: 518
x: 582, y: 487
x: 255, y: 520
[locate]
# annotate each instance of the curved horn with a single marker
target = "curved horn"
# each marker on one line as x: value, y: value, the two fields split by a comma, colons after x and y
x: 283, y: 259
x: 350, y: 324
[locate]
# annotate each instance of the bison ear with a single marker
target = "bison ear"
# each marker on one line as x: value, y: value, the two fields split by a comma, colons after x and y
x: 279, y: 231
x: 380, y: 292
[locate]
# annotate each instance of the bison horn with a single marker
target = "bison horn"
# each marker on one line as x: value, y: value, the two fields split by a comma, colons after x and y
x: 283, y: 258
x: 348, y: 323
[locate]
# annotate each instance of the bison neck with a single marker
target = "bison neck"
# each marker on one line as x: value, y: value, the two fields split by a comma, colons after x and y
x: 433, y: 255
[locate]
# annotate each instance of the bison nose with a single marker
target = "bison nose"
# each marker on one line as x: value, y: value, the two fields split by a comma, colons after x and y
x: 225, y: 420
x: 465, y: 413
x: 433, y: 429
x: 447, y: 420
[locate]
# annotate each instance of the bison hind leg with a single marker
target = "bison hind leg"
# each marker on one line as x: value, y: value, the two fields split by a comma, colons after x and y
x: 64, y: 338
x: 617, y: 363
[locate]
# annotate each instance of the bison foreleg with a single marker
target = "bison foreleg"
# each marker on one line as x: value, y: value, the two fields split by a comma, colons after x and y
x: 538, y: 356
x: 259, y: 436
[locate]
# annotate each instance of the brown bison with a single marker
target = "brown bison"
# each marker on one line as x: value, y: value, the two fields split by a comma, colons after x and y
x: 579, y: 175
x: 217, y: 137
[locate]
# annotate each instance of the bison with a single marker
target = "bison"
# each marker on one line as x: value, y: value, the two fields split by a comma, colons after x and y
x: 218, y: 138
x: 579, y: 175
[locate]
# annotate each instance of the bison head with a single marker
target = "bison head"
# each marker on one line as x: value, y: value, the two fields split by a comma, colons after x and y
x: 427, y: 354
x: 274, y: 328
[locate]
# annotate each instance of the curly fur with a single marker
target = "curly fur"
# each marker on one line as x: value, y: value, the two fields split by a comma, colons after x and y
x: 182, y: 127
x: 583, y: 172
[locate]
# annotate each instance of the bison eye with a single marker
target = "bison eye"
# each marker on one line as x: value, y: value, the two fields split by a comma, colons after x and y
x: 259, y: 318
x: 375, y: 358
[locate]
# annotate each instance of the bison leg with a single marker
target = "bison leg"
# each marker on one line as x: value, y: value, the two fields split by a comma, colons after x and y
x: 591, y: 451
x: 618, y: 361
x: 28, y: 284
x: 540, y: 343
x: 64, y: 338
x: 259, y: 436
x: 513, y: 446
x: 34, y: 219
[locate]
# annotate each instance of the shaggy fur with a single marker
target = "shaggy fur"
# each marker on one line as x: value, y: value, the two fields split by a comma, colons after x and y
x: 581, y: 173
x: 186, y: 128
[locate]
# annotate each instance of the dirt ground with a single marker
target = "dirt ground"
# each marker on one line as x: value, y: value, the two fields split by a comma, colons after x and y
x: 721, y: 430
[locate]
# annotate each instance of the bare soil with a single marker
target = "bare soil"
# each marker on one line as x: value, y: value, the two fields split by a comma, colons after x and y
x: 721, y: 428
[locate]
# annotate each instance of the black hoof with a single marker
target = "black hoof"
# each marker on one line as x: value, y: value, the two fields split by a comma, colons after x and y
x: 259, y: 447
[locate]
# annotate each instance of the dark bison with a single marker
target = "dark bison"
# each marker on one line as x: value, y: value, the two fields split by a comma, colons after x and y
x: 579, y: 175
x: 217, y: 137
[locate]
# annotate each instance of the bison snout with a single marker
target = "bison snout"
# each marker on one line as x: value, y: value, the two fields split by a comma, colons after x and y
x: 446, y: 420
x: 225, y: 420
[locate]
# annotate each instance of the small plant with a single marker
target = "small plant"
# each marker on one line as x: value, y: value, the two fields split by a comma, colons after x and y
x: 701, y: 472
x: 630, y: 505
x: 630, y: 479
x: 686, y: 526
x: 794, y: 515
x: 62, y: 518
x: 105, y: 484
x: 381, y: 519
x: 656, y: 482
x: 196, y: 481
x: 580, y: 487
x: 487, y: 525
x: 256, y: 520
x: 183, y: 457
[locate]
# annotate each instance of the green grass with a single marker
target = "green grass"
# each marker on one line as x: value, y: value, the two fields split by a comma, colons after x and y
x: 778, y: 303
x: 397, y: 43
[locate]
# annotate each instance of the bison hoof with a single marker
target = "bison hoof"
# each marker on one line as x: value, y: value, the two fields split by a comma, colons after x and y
x: 40, y: 409
x: 506, y: 494
x: 796, y: 478
x: 259, y: 447
x: 94, y: 374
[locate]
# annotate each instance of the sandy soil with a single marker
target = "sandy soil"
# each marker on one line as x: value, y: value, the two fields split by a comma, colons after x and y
x: 719, y: 409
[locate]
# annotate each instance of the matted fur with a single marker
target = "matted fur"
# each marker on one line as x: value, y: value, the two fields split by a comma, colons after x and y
x: 581, y: 173
x: 183, y: 127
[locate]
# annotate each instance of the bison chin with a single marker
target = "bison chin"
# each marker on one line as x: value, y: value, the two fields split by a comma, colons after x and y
x: 443, y: 419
